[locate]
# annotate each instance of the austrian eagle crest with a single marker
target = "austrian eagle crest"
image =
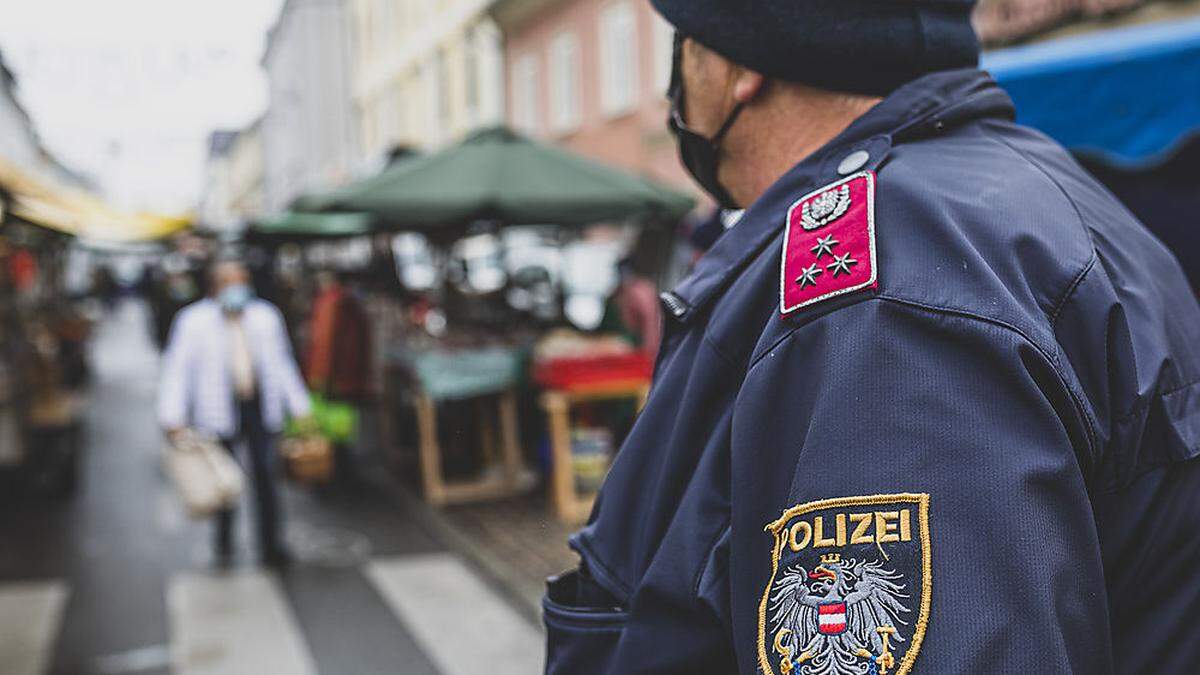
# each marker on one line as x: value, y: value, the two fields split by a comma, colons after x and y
x: 850, y: 589
x: 834, y: 618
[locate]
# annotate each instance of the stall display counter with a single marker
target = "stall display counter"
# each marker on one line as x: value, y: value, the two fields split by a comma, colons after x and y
x: 488, y: 376
x: 570, y: 382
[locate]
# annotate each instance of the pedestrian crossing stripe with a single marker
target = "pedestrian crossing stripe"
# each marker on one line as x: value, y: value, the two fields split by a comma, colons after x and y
x: 241, y: 621
x: 30, y: 615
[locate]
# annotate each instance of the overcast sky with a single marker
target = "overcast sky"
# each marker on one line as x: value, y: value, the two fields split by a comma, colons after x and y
x: 127, y: 91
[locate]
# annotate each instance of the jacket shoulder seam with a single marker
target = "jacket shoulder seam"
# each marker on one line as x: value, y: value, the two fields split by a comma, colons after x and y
x: 1070, y: 292
x: 917, y: 304
x: 1139, y: 406
x: 1050, y: 356
x: 718, y: 350
x: 762, y: 353
x: 1092, y: 256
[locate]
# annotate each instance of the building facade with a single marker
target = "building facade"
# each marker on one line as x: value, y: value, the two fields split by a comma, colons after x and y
x: 592, y: 75
x: 1003, y: 22
x: 20, y: 145
x: 247, y: 174
x: 214, y: 212
x: 18, y: 141
x: 307, y: 131
x: 234, y: 179
x: 426, y: 72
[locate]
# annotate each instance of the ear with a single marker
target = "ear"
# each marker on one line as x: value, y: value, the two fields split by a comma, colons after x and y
x: 748, y: 85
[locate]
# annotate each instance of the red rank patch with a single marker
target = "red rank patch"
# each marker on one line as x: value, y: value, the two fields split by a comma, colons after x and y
x: 829, y: 246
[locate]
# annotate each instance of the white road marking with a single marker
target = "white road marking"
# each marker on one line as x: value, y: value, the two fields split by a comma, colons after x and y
x: 155, y: 657
x: 30, y: 614
x: 234, y: 623
x: 456, y: 619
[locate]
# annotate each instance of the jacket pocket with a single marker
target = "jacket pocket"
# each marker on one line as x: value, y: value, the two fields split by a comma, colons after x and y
x: 581, y: 633
x: 1181, y: 411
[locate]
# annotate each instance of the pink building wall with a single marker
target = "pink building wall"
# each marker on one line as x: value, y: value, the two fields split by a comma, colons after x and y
x: 636, y: 140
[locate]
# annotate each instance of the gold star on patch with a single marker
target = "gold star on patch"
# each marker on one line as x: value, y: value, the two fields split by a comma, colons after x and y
x: 808, y: 276
x: 824, y: 246
x: 841, y: 264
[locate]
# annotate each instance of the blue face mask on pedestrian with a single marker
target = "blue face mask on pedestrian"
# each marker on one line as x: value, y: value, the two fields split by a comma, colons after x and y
x: 235, y: 298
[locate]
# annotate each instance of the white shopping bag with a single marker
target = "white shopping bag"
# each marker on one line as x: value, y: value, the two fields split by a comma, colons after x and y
x: 206, y: 476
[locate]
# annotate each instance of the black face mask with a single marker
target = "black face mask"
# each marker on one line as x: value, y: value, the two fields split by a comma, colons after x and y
x: 700, y: 155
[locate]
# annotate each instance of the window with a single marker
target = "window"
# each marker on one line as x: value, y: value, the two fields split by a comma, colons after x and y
x: 365, y: 47
x: 431, y: 74
x: 413, y: 114
x: 471, y: 70
x: 664, y: 43
x: 442, y: 71
x: 618, y: 58
x: 525, y: 94
x: 382, y: 125
x: 367, y: 115
x: 564, y: 82
x: 395, y: 128
x: 488, y: 50
x: 382, y: 20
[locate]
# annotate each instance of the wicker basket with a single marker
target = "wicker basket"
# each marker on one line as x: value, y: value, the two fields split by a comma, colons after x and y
x: 309, y: 459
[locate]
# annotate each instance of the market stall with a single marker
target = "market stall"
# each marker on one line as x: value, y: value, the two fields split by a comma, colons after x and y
x: 44, y: 325
x: 42, y: 366
x: 304, y: 227
x: 488, y: 377
x: 576, y: 371
x: 502, y: 179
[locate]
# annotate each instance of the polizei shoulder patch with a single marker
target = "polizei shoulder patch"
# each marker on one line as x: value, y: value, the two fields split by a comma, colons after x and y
x: 849, y: 590
x: 829, y: 244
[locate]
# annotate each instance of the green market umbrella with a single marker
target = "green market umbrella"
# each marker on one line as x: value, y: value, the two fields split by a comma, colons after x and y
x: 319, y: 201
x: 303, y: 226
x: 328, y: 201
x: 496, y: 174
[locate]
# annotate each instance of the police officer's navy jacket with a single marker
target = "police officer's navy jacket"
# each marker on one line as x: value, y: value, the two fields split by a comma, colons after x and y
x: 930, y: 407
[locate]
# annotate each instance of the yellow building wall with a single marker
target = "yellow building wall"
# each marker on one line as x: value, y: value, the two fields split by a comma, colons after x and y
x: 411, y: 72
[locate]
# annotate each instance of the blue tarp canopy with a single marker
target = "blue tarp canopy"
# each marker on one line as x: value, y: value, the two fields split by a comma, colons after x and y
x: 1129, y: 97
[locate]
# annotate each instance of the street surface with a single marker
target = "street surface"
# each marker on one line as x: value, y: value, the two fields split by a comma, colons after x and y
x: 118, y: 580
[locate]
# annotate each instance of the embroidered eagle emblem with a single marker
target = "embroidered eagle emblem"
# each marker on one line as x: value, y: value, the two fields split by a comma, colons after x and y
x: 840, y: 617
x: 849, y: 590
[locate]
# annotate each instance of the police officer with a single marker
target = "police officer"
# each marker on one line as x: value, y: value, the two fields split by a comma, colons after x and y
x: 932, y: 405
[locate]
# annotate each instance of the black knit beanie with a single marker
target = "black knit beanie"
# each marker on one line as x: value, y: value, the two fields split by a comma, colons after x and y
x: 858, y: 46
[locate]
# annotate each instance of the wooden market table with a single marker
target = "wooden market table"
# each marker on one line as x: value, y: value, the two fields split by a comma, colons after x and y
x: 489, y: 377
x: 568, y: 505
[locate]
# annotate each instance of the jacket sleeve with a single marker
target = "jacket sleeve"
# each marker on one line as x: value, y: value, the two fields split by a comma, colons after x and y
x: 174, y: 383
x: 939, y: 453
x: 295, y: 392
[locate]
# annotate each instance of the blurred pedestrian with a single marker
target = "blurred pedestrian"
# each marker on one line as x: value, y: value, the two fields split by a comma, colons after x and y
x: 338, y: 359
x: 229, y: 372
x: 176, y: 287
x: 634, y: 310
x: 104, y: 286
x: 337, y: 363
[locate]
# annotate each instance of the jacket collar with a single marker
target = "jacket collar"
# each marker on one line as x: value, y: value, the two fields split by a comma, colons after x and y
x: 926, y: 106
